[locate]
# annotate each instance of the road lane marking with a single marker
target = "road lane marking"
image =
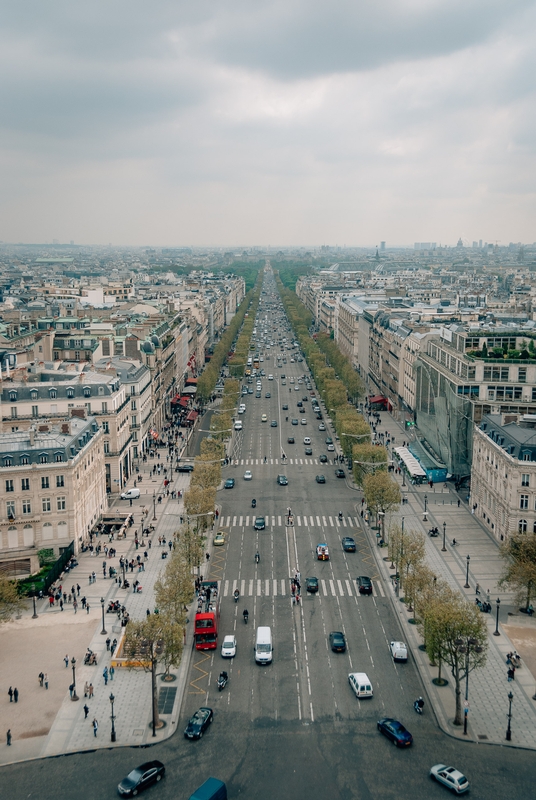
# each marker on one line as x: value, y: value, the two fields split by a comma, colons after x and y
x: 234, y: 521
x: 380, y: 587
x: 258, y: 588
x: 267, y: 587
x: 341, y: 590
x: 283, y: 587
x: 318, y: 521
x: 279, y: 521
x: 247, y: 522
x: 332, y: 587
x: 324, y: 589
x: 240, y: 521
x: 250, y: 589
x: 299, y: 521
x: 242, y: 588
x: 331, y: 521
x: 275, y: 587
x: 226, y: 588
x: 312, y: 522
x: 349, y: 588
x: 324, y: 521
x: 344, y: 522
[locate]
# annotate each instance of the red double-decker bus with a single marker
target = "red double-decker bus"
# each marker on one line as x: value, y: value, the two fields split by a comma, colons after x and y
x: 207, y: 618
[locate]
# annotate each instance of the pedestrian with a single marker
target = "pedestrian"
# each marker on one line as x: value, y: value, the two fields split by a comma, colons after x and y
x: 86, y: 689
x: 90, y: 691
x: 95, y: 726
x: 105, y: 675
x: 16, y: 694
x: 41, y: 679
x: 61, y: 605
x: 10, y: 693
x: 71, y: 690
x: 46, y: 680
x: 75, y: 606
x: 86, y: 710
x: 78, y: 590
x: 94, y: 577
x: 108, y: 642
x: 458, y: 502
x: 170, y: 543
x: 207, y: 556
x: 477, y: 589
x: 8, y: 737
x: 112, y: 672
x: 511, y: 674
x: 87, y: 607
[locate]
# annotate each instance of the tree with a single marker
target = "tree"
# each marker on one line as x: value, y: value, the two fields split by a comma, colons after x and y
x: 381, y: 492
x: 519, y: 554
x: 368, y: 460
x: 451, y: 624
x: 207, y: 473
x: 10, y: 602
x: 198, y: 503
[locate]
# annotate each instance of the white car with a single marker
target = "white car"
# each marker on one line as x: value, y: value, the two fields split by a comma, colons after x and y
x: 450, y: 777
x: 307, y: 440
x: 131, y: 494
x: 242, y: 409
x: 264, y: 418
x: 248, y: 475
x: 238, y: 425
x: 399, y: 651
x: 331, y: 447
x: 321, y: 427
x: 304, y: 421
x: 270, y: 377
x: 228, y: 647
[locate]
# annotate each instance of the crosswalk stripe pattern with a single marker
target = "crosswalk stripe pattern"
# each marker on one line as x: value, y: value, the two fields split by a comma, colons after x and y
x: 347, y: 522
x: 256, y: 462
x: 279, y: 588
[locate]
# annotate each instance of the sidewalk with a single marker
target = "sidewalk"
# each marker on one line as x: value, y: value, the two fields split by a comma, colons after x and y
x: 488, y: 686
x: 47, y: 722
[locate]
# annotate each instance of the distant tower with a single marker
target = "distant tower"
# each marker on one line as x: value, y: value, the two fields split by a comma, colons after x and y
x: 460, y: 243
x: 377, y: 255
x: 382, y: 245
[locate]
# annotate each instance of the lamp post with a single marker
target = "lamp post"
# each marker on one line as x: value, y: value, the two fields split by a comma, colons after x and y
x: 401, y: 557
x: 104, y: 631
x: 466, y: 585
x: 112, y: 699
x: 497, y: 632
x: 74, y: 696
x: 34, y: 615
x: 444, y: 549
x: 154, y: 505
x: 465, y: 647
x: 509, y: 728
x: 425, y: 502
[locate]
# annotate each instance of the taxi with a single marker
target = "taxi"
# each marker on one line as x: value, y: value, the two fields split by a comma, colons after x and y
x: 322, y: 552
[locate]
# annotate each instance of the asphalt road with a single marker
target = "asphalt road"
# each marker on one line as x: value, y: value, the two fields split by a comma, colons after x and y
x: 293, y: 729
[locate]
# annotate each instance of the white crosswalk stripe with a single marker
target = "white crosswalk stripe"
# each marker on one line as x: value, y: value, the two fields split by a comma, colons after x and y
x: 348, y: 587
x: 247, y: 522
x: 324, y: 589
x: 332, y: 587
x: 331, y: 521
x: 344, y: 522
x: 279, y: 521
x: 278, y: 588
x: 234, y: 521
x: 312, y: 521
x: 318, y: 521
x: 299, y: 521
x: 273, y: 522
x: 341, y: 590
x: 250, y: 588
x: 324, y: 521
x: 240, y: 521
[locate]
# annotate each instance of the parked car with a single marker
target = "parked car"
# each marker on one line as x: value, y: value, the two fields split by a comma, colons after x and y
x: 131, y: 494
x: 399, y: 651
x: 219, y: 540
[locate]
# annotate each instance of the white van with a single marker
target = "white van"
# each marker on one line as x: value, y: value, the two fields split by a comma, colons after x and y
x: 263, y: 646
x: 131, y: 494
x: 360, y: 683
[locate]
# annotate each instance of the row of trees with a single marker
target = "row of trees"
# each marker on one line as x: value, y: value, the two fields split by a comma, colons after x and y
x: 237, y: 362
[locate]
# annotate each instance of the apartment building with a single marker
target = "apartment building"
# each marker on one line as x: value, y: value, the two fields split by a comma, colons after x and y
x: 52, y: 490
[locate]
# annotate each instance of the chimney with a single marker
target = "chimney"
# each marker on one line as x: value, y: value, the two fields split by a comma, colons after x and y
x: 78, y: 412
x: 65, y: 427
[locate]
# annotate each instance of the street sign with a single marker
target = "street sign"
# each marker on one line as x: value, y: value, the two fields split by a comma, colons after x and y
x: 466, y: 703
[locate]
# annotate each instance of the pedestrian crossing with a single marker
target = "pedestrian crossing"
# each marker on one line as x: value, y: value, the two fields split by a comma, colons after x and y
x: 281, y: 588
x: 300, y: 521
x: 260, y: 462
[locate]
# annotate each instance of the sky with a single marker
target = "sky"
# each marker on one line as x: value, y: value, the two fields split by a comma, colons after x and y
x: 267, y: 122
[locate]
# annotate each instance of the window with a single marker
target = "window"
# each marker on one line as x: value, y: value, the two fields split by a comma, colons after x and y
x: 61, y: 503
x: 9, y: 486
x: 43, y: 458
x: 10, y: 509
x: 134, y: 421
x: 87, y: 391
x: 58, y: 457
x: 522, y: 526
x: 104, y: 407
x: 60, y: 481
x: 522, y: 374
x: 525, y: 478
x: 13, y: 412
x: 25, y: 484
x: 26, y: 507
x: 526, y: 455
x: 53, y: 394
x: 70, y: 392
x: 77, y: 355
x: 46, y: 503
x: 523, y: 501
x: 133, y: 405
x: 45, y: 483
x: 8, y: 460
x: 35, y: 411
x: 13, y: 395
x: 33, y: 394
x: 106, y: 427
x: 106, y: 448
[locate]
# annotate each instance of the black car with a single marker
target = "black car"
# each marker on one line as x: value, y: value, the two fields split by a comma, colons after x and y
x: 395, y: 731
x: 229, y: 483
x: 285, y: 406
x: 305, y: 399
x: 329, y: 440
x: 273, y: 423
x: 323, y: 459
x: 364, y: 584
x: 184, y: 468
x: 198, y: 724
x: 308, y: 451
x: 258, y: 395
x: 294, y: 421
x: 320, y: 479
x: 290, y: 440
x: 318, y: 415
x: 311, y: 585
x: 337, y: 642
x: 267, y: 395
x: 299, y: 404
x: 340, y: 473
x: 282, y: 480
x: 260, y: 524
x: 141, y: 777
x: 348, y: 544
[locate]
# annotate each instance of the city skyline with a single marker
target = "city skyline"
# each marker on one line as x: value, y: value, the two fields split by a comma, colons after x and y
x: 276, y: 124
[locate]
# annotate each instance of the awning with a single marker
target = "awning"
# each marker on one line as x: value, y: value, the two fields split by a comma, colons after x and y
x: 184, y: 401
x: 192, y: 416
x: 378, y: 399
x: 412, y: 464
x: 189, y: 390
x: 191, y: 381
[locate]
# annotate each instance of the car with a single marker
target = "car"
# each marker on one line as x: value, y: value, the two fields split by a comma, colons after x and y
x: 270, y: 377
x: 364, y: 584
x: 330, y: 448
x: 294, y: 421
x: 321, y: 427
x: 131, y: 494
x: 318, y: 415
x: 348, y: 544
x: 273, y: 423
x: 198, y: 724
x: 296, y: 388
x: 323, y: 458
x: 307, y: 440
x: 264, y: 418
x: 299, y: 404
x: 329, y: 440
x: 267, y: 395
x: 311, y: 585
x: 219, y: 540
x: 141, y: 777
x: 451, y: 777
x: 308, y: 451
x: 360, y: 684
x: 303, y: 421
x: 285, y: 406
x: 258, y: 395
x: 188, y: 467
x: 340, y: 473
x: 320, y: 479
x: 229, y: 483
x: 238, y: 425
x: 282, y: 480
x: 337, y: 641
x: 260, y: 524
x: 250, y: 391
x: 305, y: 399
x: 228, y: 647
x: 290, y: 440
x: 395, y: 731
x: 248, y: 475
x: 399, y: 651
x: 322, y: 552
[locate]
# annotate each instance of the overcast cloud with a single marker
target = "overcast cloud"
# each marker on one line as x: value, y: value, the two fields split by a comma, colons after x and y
x: 275, y: 122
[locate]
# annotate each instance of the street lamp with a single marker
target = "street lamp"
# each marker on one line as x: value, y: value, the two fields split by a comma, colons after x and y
x: 425, y: 502
x: 509, y: 728
x: 465, y: 648
x: 497, y: 632
x: 112, y: 698
x: 74, y: 696
x: 154, y: 505
x: 104, y: 631
x: 34, y: 615
x: 444, y: 549
x: 466, y: 586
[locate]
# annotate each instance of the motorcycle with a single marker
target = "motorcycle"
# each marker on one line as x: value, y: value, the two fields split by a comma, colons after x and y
x: 340, y: 515
x: 257, y: 558
x: 222, y: 681
x: 418, y: 705
x: 433, y: 532
x: 253, y: 504
x: 246, y: 616
x: 236, y: 595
